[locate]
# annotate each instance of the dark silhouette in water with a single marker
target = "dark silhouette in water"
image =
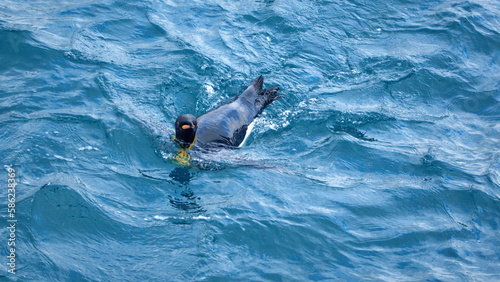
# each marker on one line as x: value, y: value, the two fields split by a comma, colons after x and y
x: 180, y: 176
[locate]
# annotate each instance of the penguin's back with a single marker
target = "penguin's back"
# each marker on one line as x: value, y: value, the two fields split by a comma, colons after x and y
x: 227, y: 125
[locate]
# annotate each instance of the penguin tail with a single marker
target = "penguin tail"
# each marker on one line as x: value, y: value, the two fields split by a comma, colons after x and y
x: 254, y: 88
x: 258, y: 83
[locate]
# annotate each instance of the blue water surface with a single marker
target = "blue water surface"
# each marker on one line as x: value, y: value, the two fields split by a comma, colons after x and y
x: 380, y: 162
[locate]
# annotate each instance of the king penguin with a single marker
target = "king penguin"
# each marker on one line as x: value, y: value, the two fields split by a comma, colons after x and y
x: 227, y: 125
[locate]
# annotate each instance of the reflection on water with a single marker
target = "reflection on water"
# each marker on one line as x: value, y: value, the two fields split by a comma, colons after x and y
x: 187, y: 200
x: 182, y: 175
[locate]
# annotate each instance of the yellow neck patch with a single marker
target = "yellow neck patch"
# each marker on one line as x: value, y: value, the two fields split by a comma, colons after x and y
x: 183, y: 157
x: 190, y: 145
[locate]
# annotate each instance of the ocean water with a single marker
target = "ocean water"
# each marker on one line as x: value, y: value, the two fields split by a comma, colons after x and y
x: 380, y: 162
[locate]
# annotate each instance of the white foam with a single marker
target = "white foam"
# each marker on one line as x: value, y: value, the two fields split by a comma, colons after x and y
x: 88, y: 148
x: 209, y: 89
x: 63, y: 158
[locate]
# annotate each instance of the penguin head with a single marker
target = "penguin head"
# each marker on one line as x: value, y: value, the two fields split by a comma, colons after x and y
x: 185, y: 130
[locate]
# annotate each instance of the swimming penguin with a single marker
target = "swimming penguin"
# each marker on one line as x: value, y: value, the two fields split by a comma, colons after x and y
x: 227, y: 125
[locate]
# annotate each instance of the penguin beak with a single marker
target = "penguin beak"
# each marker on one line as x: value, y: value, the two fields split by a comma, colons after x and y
x: 186, y: 126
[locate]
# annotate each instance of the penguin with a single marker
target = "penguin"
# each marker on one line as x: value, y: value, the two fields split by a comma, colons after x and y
x: 227, y: 125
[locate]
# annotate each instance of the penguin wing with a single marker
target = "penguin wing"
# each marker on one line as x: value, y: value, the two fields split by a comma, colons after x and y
x: 239, y: 135
x: 234, y: 141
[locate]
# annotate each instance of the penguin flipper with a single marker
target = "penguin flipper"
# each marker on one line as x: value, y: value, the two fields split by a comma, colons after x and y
x: 235, y: 140
x: 239, y: 135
